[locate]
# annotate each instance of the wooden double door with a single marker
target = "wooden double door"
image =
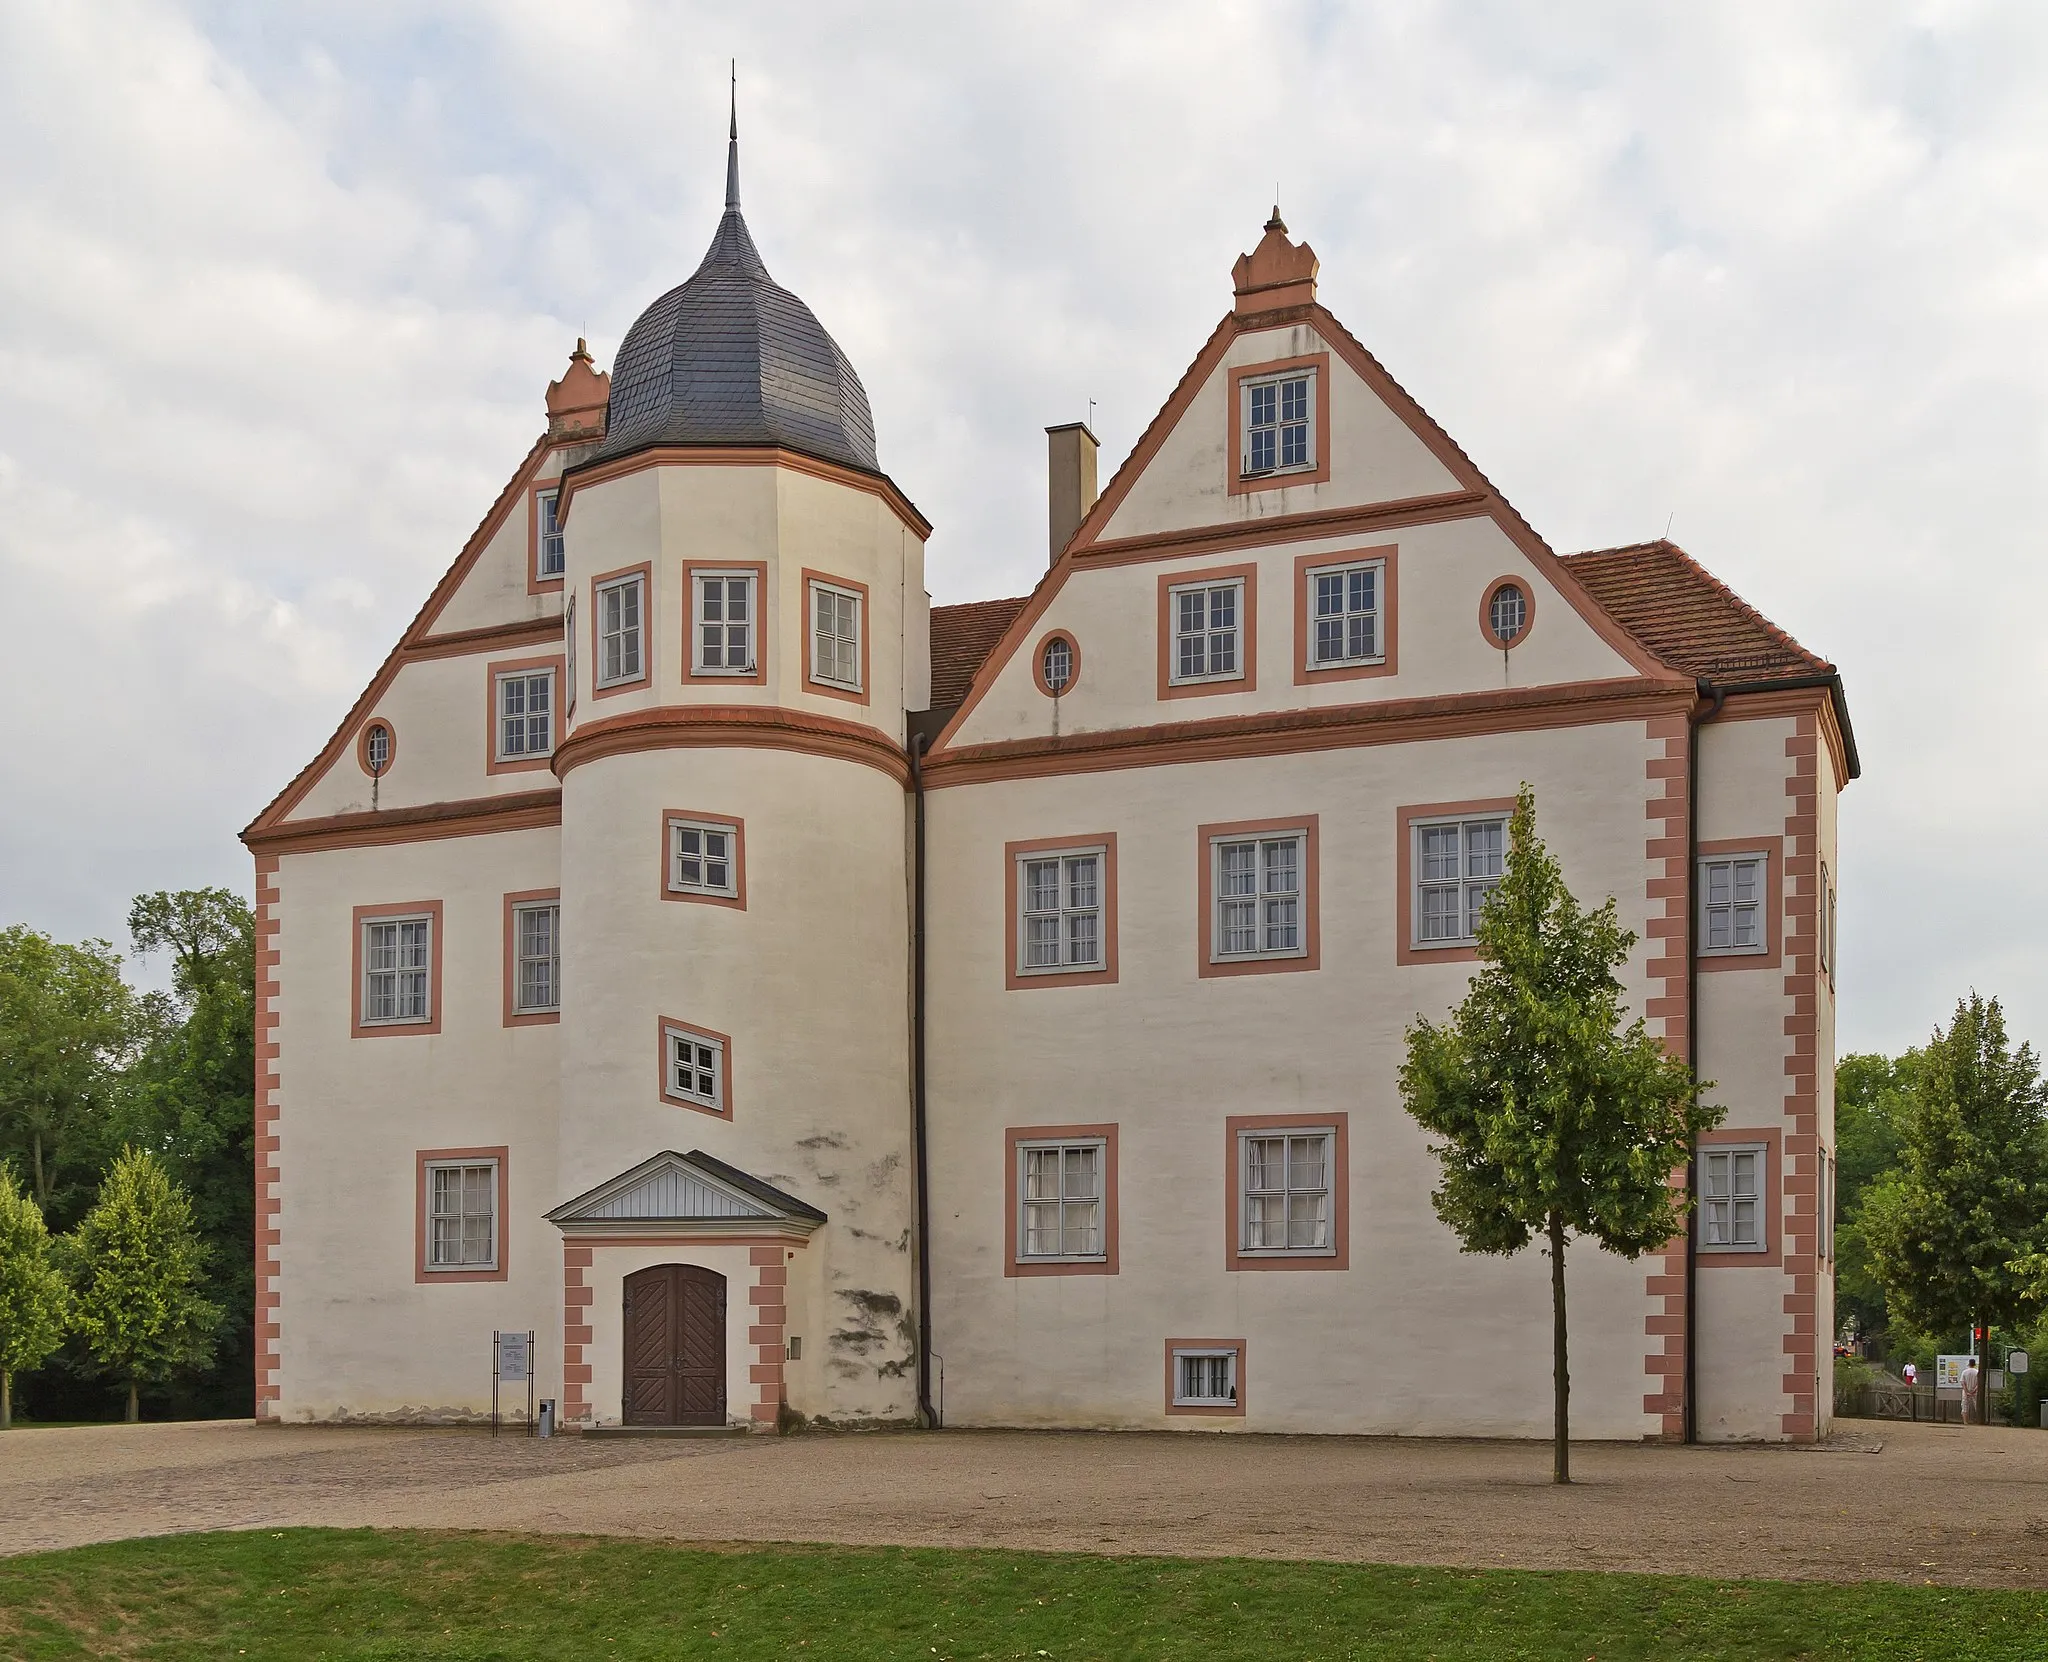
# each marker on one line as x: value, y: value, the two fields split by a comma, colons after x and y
x: 675, y: 1346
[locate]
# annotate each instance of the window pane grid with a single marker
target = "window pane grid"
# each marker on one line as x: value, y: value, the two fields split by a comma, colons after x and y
x: 1204, y: 1378
x: 696, y: 1068
x: 835, y: 636
x: 703, y: 859
x: 1458, y: 864
x: 1347, y: 615
x: 1061, y: 1216
x: 1287, y: 1192
x: 397, y: 959
x: 1205, y: 631
x: 552, y: 559
x: 462, y: 1209
x: 725, y: 623
x: 1258, y: 897
x: 619, y: 632
x: 526, y: 714
x: 537, y: 950
x: 1731, y: 1198
x: 1277, y: 425
x: 1060, y: 897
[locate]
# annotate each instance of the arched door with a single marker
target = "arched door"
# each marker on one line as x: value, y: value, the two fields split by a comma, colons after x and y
x: 675, y: 1346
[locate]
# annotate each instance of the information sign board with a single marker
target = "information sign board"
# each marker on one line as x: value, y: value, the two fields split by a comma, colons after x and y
x: 1948, y: 1372
x: 512, y: 1358
x: 2017, y: 1361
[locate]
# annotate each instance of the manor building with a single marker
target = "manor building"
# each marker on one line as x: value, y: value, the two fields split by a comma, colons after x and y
x: 788, y: 998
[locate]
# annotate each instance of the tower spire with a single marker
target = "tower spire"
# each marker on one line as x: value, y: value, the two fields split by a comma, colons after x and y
x: 732, y: 145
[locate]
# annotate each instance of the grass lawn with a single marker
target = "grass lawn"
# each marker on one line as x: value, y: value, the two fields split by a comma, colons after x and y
x: 311, y: 1593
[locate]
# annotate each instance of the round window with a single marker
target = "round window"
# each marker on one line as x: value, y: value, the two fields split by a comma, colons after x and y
x: 1056, y: 664
x: 377, y: 747
x: 1507, y: 613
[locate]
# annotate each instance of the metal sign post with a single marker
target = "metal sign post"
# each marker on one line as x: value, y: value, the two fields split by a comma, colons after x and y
x: 512, y: 1364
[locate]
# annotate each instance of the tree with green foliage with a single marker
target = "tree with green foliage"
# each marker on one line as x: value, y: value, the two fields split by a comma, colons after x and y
x: 1953, y: 1225
x: 1556, y: 1115
x: 1872, y: 1094
x: 190, y: 1098
x: 34, y: 1301
x: 67, y: 1026
x: 140, y: 1269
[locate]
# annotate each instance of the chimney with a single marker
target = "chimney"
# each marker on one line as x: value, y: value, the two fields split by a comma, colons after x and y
x: 1070, y: 480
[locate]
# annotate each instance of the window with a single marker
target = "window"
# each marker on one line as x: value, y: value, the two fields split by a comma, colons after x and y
x: 1061, y: 1188
x: 1204, y: 1378
x: 1824, y: 923
x: 1206, y: 631
x: 1732, y: 904
x: 548, y: 558
x: 397, y: 957
x: 1060, y: 901
x: 1458, y: 863
x: 526, y: 714
x: 1279, y: 423
x: 462, y: 1215
x: 835, y: 636
x: 1056, y: 665
x: 536, y: 957
x: 569, y: 653
x: 376, y: 745
x: 693, y: 1067
x: 1731, y: 1198
x: 1257, y: 888
x: 1286, y: 1179
x: 703, y: 858
x: 1507, y: 613
x: 621, y: 630
x: 725, y: 623
x: 1345, y: 607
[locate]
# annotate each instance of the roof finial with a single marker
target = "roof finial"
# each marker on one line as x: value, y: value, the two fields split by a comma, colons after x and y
x: 732, y: 147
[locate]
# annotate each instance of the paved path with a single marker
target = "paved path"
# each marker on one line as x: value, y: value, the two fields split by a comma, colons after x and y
x: 1937, y: 1503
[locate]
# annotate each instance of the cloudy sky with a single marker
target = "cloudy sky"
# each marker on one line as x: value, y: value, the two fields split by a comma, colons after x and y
x: 281, y: 288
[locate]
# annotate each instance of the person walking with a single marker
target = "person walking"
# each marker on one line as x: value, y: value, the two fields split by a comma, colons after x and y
x: 1973, y: 1404
x: 1910, y: 1374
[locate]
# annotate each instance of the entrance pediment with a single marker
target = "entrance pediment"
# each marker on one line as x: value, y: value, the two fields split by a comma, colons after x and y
x: 685, y: 1194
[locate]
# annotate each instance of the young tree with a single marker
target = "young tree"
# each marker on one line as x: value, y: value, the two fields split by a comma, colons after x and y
x: 1553, y: 1116
x: 190, y: 1098
x: 140, y: 1268
x: 1952, y: 1227
x: 1872, y: 1094
x: 34, y: 1301
x: 67, y: 1024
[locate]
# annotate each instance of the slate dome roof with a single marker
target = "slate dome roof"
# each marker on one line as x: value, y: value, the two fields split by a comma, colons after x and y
x: 731, y: 358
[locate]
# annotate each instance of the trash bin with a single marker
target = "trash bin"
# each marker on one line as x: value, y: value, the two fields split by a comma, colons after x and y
x: 2044, y: 1414
x: 546, y: 1427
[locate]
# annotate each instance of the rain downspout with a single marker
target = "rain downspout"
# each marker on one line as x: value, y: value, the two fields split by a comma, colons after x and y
x: 1717, y: 697
x: 917, y: 1096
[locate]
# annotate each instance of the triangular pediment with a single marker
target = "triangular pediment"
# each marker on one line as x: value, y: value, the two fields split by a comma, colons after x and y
x: 691, y: 1191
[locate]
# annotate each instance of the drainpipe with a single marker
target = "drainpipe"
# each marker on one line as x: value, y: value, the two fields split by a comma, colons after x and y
x: 1717, y: 696
x: 917, y: 1094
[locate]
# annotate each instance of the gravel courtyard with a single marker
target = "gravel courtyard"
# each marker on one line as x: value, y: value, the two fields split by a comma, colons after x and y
x: 1934, y: 1503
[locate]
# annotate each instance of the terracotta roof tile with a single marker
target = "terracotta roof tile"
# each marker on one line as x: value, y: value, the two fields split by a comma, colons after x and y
x: 962, y: 639
x: 1686, y: 616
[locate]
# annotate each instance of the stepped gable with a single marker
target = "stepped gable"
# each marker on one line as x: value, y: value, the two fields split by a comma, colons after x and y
x: 962, y: 638
x: 1687, y: 617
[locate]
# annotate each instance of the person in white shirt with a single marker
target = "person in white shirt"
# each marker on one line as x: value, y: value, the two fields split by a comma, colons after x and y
x: 1973, y: 1407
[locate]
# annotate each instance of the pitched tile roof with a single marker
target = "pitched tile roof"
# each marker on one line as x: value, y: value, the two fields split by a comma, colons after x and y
x: 1687, y: 617
x: 962, y: 639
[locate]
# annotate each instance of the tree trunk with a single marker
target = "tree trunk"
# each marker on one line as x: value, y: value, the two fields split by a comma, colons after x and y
x: 42, y: 1183
x: 132, y: 1416
x: 1561, y: 1377
x: 6, y: 1398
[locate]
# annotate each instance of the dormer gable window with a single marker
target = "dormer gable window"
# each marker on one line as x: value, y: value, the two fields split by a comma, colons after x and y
x: 1279, y: 423
x: 549, y: 558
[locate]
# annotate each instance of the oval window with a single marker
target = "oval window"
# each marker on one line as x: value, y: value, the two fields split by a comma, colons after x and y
x: 377, y: 747
x: 1056, y: 664
x: 1507, y: 613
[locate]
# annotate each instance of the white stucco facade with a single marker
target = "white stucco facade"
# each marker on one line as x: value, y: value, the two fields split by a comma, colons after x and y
x: 880, y: 778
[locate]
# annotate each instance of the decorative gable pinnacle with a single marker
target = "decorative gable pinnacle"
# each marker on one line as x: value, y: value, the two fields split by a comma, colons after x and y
x: 577, y: 402
x: 1277, y: 273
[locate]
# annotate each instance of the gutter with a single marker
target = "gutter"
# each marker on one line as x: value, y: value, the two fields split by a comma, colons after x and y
x: 1829, y: 680
x: 916, y: 748
x: 1717, y: 696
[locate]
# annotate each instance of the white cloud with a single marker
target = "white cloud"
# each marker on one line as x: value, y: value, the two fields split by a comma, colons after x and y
x: 282, y: 288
